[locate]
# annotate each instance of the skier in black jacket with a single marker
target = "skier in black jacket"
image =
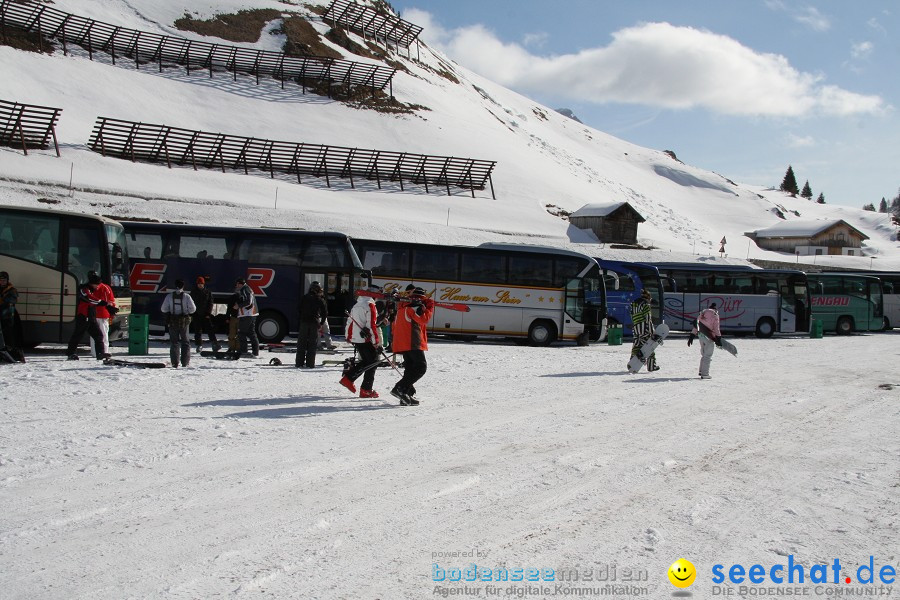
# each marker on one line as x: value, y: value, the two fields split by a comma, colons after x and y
x: 313, y: 312
x: 203, y: 322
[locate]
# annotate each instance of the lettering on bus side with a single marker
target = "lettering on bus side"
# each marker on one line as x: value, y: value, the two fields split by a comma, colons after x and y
x: 504, y: 297
x: 830, y: 301
x: 146, y: 277
x: 259, y: 279
x: 452, y: 294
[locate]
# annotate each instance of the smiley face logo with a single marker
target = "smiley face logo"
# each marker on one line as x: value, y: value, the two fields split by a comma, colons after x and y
x: 682, y: 573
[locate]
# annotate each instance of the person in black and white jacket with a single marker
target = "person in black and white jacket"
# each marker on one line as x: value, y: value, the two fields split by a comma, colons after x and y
x: 178, y: 308
x: 247, y: 312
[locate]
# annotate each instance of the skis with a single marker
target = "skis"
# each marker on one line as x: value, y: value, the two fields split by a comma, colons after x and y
x: 118, y: 362
x: 638, y: 361
x: 448, y: 305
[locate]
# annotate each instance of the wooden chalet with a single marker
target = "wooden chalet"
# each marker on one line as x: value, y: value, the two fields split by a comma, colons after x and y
x: 811, y: 237
x: 612, y: 222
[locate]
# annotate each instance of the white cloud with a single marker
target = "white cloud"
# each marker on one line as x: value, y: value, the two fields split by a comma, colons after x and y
x: 535, y: 40
x: 808, y: 16
x: 812, y: 18
x: 656, y: 64
x: 873, y: 23
x: 861, y: 50
x: 796, y: 141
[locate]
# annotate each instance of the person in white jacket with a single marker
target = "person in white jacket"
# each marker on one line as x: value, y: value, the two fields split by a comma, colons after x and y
x: 362, y: 332
x: 178, y: 308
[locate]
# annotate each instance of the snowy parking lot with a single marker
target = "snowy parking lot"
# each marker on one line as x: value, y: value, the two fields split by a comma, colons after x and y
x: 243, y: 480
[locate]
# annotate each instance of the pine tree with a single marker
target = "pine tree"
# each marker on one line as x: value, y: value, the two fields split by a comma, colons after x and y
x: 895, y: 206
x: 789, y: 184
x: 807, y: 192
x: 883, y: 207
x: 821, y: 198
x: 869, y: 206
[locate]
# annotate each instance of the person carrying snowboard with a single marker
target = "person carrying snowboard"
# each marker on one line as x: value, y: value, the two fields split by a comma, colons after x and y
x: 707, y: 329
x: 642, y: 327
x: 362, y: 332
x: 410, y: 339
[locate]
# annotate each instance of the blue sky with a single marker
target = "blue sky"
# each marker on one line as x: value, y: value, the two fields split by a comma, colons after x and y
x: 741, y: 88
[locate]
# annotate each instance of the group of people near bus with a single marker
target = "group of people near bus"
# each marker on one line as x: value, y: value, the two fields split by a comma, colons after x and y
x: 375, y: 322
x: 398, y: 321
x: 181, y: 309
x: 395, y: 321
x: 706, y: 329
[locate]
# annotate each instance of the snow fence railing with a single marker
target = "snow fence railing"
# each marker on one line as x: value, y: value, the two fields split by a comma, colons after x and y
x: 173, y: 145
x: 144, y: 47
x: 28, y: 125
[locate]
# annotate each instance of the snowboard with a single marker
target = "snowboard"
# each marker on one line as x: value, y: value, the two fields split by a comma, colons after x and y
x: 118, y: 362
x: 729, y: 347
x: 637, y: 362
x: 220, y: 355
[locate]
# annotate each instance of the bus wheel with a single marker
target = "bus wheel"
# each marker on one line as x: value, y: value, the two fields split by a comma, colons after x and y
x: 271, y: 327
x: 887, y: 325
x: 844, y: 326
x: 765, y: 327
x: 541, y: 333
x: 584, y: 338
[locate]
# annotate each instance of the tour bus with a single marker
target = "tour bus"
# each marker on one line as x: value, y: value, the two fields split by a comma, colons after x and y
x: 846, y: 303
x: 760, y: 301
x: 48, y: 254
x: 624, y: 283
x: 278, y: 264
x: 890, y: 284
x: 536, y: 293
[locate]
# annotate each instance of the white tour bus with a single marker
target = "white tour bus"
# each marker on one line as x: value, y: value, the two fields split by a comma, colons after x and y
x: 760, y: 301
x: 537, y: 293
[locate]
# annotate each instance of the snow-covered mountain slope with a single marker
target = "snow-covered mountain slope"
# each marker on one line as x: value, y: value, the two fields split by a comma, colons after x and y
x: 543, y: 157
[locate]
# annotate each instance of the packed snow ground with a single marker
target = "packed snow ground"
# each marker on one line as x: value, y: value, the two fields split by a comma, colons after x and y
x: 245, y: 481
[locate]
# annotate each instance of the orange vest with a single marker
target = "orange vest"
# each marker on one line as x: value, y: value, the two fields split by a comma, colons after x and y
x: 409, y: 329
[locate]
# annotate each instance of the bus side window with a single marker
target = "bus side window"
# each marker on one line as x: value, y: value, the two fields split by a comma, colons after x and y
x: 531, y: 271
x: 435, y: 264
x: 483, y: 268
x: 32, y: 238
x: 84, y: 253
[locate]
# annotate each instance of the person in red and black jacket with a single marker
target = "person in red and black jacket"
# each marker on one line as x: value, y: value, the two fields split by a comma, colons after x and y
x: 410, y: 338
x: 96, y: 305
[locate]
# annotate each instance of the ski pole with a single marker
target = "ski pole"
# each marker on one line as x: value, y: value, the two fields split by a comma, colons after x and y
x: 390, y: 362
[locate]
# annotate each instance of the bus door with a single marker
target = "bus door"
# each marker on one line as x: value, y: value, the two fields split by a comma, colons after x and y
x: 788, y: 316
x: 877, y: 305
x: 339, y: 294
